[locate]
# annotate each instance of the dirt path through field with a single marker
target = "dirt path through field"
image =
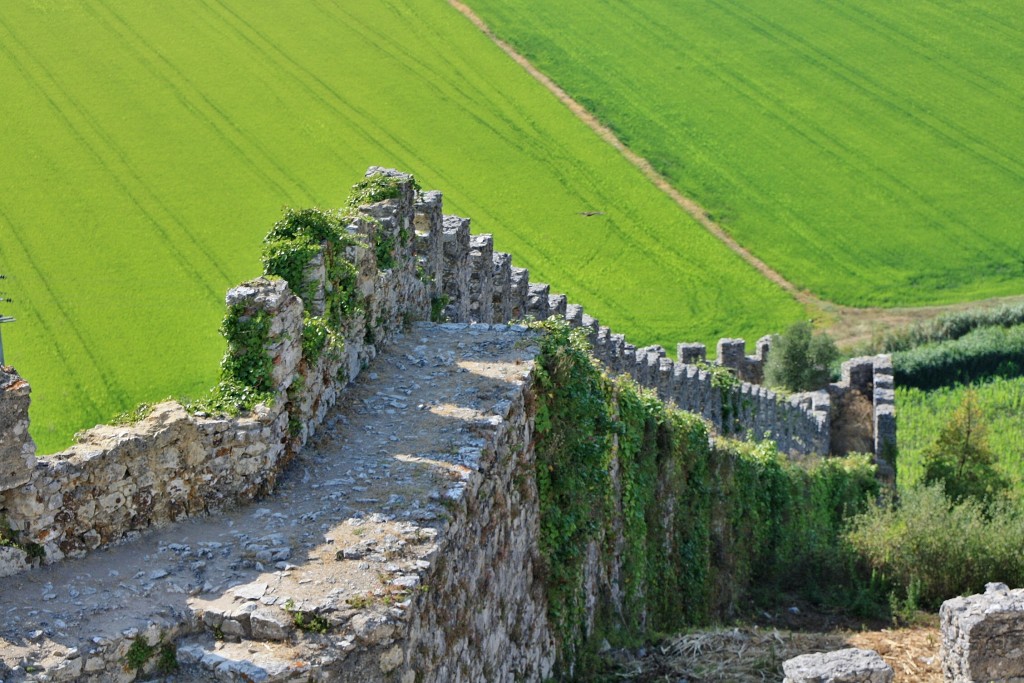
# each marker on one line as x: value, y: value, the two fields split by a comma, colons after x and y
x: 847, y: 325
x: 688, y: 205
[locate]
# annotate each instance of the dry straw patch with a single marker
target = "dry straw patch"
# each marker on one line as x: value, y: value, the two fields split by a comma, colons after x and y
x: 913, y: 653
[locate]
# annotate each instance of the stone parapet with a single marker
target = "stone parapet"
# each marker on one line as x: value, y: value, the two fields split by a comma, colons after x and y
x: 428, y: 227
x: 455, y: 282
x: 691, y: 353
x: 519, y: 292
x: 481, y: 279
x: 537, y: 301
x: 503, y: 304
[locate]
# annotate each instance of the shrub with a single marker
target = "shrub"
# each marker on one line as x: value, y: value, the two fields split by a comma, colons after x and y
x: 800, y: 360
x: 932, y: 549
x: 298, y: 238
x: 922, y: 415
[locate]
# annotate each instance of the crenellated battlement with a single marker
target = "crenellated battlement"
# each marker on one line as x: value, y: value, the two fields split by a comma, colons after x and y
x: 122, y: 479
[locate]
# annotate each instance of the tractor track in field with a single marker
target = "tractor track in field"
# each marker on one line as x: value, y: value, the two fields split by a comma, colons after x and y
x: 848, y: 325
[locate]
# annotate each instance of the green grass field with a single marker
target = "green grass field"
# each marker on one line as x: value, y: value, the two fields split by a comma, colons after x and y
x: 922, y: 414
x: 148, y: 147
x: 870, y: 151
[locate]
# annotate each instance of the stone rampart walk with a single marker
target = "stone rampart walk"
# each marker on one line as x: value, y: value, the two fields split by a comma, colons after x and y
x: 345, y: 544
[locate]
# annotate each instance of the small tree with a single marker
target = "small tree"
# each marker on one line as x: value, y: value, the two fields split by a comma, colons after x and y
x: 960, y: 458
x: 800, y: 360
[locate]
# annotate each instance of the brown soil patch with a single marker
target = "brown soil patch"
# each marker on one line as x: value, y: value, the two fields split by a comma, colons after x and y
x: 849, y: 326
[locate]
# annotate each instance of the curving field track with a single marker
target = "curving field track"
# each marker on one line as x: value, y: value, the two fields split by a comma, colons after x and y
x: 869, y: 152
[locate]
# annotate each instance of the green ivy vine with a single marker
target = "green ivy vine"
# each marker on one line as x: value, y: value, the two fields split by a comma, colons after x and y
x: 692, y: 526
x: 376, y: 188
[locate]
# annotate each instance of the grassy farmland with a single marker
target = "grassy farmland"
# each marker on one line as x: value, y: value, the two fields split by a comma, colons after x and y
x: 923, y: 413
x: 872, y: 152
x: 149, y: 146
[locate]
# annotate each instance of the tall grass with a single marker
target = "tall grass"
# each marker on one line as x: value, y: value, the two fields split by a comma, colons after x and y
x: 946, y: 327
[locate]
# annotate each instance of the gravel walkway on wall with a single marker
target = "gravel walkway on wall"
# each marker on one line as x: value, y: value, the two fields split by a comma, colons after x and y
x: 342, y: 545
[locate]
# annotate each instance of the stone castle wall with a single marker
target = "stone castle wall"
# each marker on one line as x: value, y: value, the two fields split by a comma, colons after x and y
x: 484, y: 616
x: 120, y: 480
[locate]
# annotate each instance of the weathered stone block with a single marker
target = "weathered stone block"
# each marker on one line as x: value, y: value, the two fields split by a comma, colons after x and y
x: 520, y: 292
x: 456, y: 270
x: 557, y: 304
x: 537, y: 301
x: 983, y: 636
x: 858, y: 373
x: 762, y: 348
x: 731, y: 353
x: 851, y: 665
x: 12, y: 560
x: 502, y: 287
x: 481, y: 278
x: 428, y: 227
x: 574, y: 315
x: 285, y: 309
x: 691, y: 353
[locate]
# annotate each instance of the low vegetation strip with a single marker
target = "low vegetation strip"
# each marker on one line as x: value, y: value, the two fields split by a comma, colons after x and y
x: 948, y: 326
x: 144, y: 172
x: 867, y: 196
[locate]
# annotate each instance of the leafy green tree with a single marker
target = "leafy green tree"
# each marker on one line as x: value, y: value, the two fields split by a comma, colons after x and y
x: 799, y: 360
x: 960, y: 458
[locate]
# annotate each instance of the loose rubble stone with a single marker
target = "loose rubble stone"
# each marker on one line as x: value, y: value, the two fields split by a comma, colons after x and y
x: 851, y: 665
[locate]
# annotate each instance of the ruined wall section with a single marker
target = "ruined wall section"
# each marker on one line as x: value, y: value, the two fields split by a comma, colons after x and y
x: 119, y: 480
